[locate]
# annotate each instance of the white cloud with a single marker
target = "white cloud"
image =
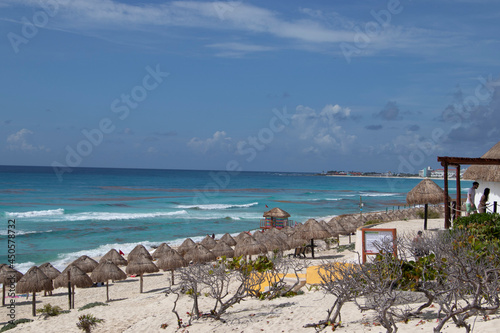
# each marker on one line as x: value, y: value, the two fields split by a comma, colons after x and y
x: 22, y: 140
x: 218, y: 142
x: 321, y: 131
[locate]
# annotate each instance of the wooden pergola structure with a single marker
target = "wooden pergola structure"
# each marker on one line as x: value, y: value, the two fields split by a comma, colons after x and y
x: 456, y: 162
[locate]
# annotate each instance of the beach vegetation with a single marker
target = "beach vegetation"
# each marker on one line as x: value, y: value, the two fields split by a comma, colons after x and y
x: 14, y: 323
x: 431, y: 214
x: 88, y: 322
x: 50, y: 311
x: 91, y: 305
x: 370, y: 222
x: 459, y: 273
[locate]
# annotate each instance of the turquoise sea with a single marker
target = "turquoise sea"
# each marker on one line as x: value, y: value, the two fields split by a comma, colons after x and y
x: 92, y: 210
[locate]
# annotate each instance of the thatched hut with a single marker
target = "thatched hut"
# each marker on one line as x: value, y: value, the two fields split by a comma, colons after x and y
x: 161, y: 251
x: 34, y: 281
x: 208, y: 242
x: 199, y: 254
x: 169, y: 261
x: 85, y: 263
x: 50, y: 271
x: 8, y: 277
x: 488, y: 176
x: 77, y: 278
x: 185, y: 246
x: 228, y: 239
x: 115, y: 257
x: 139, y: 265
x: 311, y: 230
x: 249, y: 247
x: 223, y: 249
x: 275, y: 218
x: 105, y: 271
x: 242, y: 236
x: 139, y: 251
x: 426, y: 192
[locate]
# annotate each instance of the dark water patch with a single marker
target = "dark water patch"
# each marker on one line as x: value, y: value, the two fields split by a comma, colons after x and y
x: 17, y: 190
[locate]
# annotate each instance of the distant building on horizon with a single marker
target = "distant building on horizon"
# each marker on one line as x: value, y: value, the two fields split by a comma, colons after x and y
x: 439, y: 173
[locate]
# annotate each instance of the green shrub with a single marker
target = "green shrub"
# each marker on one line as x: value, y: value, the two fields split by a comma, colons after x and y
x: 369, y: 222
x: 431, y: 214
x: 87, y: 322
x: 14, y: 324
x: 51, y: 311
x: 91, y: 305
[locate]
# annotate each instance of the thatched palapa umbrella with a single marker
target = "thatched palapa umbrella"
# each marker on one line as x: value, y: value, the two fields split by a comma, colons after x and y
x: 312, y: 229
x: 223, y: 249
x: 85, y: 263
x: 115, y: 257
x: 426, y: 192
x: 50, y: 271
x: 242, y: 236
x: 72, y: 276
x: 161, y: 250
x: 171, y: 260
x: 8, y: 277
x: 33, y: 281
x: 228, y: 239
x: 276, y: 213
x: 208, y: 242
x: 487, y: 173
x: 105, y: 271
x: 139, y: 266
x: 185, y: 246
x: 249, y: 247
x: 139, y: 251
x: 199, y: 254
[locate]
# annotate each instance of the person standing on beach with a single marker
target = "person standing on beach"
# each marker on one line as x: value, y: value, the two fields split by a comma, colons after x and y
x: 483, y: 201
x: 470, y: 207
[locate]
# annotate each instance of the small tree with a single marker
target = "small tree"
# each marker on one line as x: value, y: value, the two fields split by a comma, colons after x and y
x: 87, y: 322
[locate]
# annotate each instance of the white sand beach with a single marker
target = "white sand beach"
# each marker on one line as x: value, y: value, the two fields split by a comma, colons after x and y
x: 130, y: 311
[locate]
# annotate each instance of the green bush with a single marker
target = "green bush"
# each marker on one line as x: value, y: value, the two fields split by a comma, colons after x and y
x: 14, y: 324
x: 51, y: 311
x: 91, y: 305
x: 431, y: 214
x: 87, y: 322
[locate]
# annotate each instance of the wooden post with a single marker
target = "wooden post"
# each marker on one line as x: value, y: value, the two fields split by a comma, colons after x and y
x: 494, y: 206
x: 33, y: 306
x: 312, y: 247
x: 425, y: 217
x: 73, y: 297
x: 107, y: 290
x: 459, y: 199
x: 447, y: 223
x: 69, y: 290
x: 141, y: 284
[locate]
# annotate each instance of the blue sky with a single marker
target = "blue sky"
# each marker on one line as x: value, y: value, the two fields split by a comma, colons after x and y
x: 254, y: 85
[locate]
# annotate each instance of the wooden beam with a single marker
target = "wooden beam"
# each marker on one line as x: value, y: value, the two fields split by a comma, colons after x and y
x: 467, y: 160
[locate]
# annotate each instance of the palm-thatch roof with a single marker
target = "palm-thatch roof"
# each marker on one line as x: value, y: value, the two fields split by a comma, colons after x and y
x: 276, y: 212
x: 271, y: 243
x: 228, y: 239
x: 78, y: 278
x: 199, y: 254
x: 312, y: 229
x: 161, y: 251
x: 185, y: 246
x: 426, y: 192
x: 85, y: 263
x: 487, y: 173
x: 223, y: 249
x: 139, y: 265
x: 49, y: 270
x: 115, y: 257
x: 242, y: 236
x: 171, y: 260
x: 105, y: 271
x: 139, y: 251
x: 208, y: 242
x: 249, y: 246
x: 32, y: 282
x: 8, y: 276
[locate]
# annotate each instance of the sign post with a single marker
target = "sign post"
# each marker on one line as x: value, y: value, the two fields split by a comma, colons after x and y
x: 373, y: 236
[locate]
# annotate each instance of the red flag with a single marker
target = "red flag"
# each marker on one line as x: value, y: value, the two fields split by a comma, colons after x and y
x: 267, y: 207
x: 122, y: 253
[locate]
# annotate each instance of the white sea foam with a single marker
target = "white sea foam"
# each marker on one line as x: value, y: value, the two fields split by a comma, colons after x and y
x: 36, y: 213
x: 217, y: 206
x: 21, y: 232
x: 24, y: 266
x: 378, y: 194
x: 105, y: 216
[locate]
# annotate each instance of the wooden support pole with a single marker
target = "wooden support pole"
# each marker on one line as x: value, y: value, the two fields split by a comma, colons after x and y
x: 447, y: 223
